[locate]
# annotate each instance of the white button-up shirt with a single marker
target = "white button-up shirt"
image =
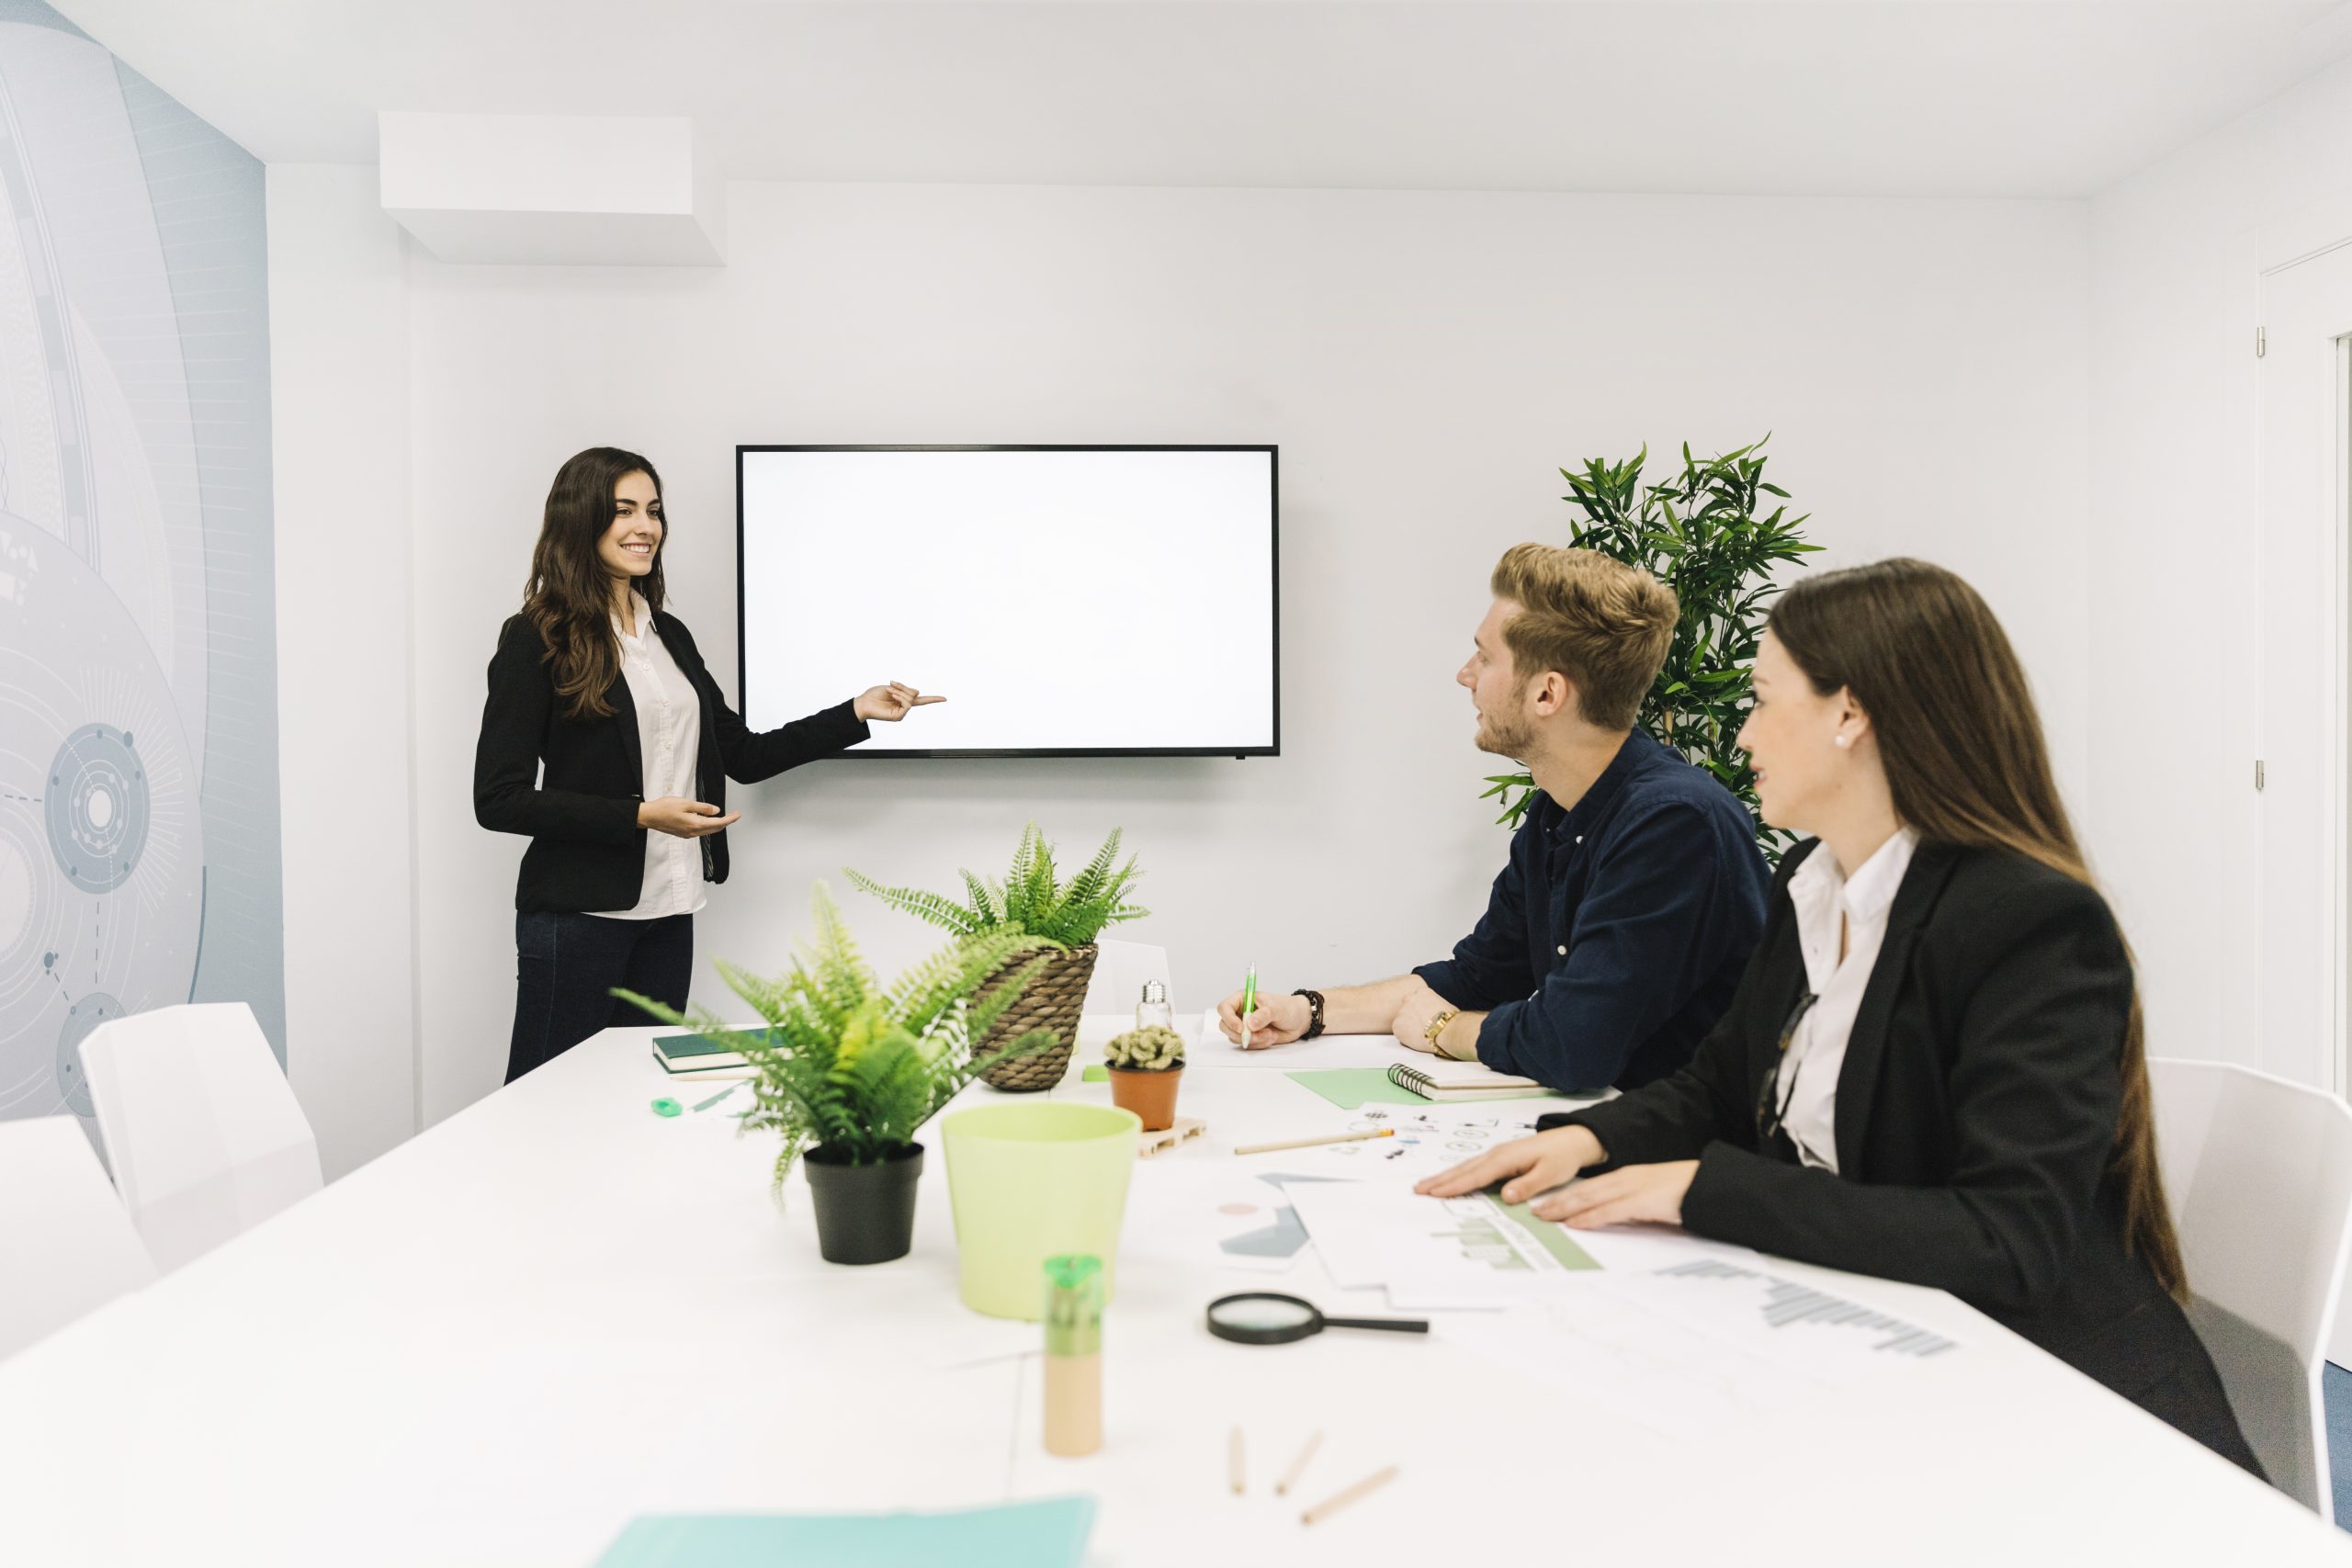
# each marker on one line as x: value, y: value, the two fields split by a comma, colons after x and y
x: 1829, y: 906
x: 669, y: 737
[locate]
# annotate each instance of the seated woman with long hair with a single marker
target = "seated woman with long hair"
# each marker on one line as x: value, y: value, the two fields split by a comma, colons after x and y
x: 1933, y: 1070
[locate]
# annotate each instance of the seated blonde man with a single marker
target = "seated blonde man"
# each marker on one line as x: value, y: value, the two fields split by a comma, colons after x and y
x: 1634, y: 893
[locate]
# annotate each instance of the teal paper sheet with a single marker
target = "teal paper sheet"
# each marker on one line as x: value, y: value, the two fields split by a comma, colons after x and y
x: 1050, y: 1534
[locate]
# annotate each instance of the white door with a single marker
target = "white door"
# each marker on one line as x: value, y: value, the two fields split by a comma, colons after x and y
x: 2303, y: 560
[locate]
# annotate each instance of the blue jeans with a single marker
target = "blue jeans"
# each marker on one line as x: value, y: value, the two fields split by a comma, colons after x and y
x: 566, y: 967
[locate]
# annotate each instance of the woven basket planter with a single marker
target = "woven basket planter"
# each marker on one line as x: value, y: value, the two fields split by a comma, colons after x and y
x: 1053, y: 1000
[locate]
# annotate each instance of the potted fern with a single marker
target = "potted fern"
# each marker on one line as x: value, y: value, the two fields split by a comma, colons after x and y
x: 1063, y: 916
x: 848, y: 1070
x: 1146, y: 1065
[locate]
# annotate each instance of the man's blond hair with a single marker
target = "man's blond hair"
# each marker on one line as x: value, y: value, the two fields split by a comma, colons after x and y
x: 1601, y: 623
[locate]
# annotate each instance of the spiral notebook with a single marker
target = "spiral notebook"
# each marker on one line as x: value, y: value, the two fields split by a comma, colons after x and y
x: 1464, y: 1080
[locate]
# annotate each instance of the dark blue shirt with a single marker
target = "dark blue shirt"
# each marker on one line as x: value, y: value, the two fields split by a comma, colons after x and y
x: 1615, y: 937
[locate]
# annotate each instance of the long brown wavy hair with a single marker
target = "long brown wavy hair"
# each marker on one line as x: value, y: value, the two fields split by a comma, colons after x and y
x: 569, y: 596
x: 1967, y: 764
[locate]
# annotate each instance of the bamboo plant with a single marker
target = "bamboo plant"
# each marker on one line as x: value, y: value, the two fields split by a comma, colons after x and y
x: 1706, y: 533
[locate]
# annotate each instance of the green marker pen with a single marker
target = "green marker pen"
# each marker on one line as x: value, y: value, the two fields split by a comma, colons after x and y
x: 1248, y: 1003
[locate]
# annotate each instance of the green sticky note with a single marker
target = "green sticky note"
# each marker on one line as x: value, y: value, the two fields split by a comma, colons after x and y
x: 1050, y: 1534
x: 1098, y: 1073
x: 1348, y: 1088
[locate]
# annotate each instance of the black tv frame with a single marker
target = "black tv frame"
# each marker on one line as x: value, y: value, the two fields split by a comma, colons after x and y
x: 1274, y: 520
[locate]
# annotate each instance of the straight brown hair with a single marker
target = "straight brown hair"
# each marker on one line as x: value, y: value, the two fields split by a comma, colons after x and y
x: 570, y: 595
x: 1603, y: 624
x: 1967, y: 763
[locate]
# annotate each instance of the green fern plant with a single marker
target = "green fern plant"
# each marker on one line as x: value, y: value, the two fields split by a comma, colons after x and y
x: 1707, y: 534
x: 1030, y: 898
x: 855, y: 1065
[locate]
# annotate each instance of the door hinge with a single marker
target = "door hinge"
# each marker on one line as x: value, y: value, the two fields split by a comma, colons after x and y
x: 2261, y: 342
x: 2257, y: 773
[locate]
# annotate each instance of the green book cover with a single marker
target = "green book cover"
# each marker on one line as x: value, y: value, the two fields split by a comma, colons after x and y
x: 682, y: 1047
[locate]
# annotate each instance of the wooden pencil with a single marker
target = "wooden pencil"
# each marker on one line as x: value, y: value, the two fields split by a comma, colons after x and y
x: 1298, y: 1465
x: 1310, y: 1143
x: 1339, y: 1500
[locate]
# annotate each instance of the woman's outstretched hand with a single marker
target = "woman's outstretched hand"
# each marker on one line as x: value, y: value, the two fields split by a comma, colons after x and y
x: 891, y: 702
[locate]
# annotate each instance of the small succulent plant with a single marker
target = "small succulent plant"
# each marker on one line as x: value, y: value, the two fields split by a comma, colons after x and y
x: 1148, y: 1050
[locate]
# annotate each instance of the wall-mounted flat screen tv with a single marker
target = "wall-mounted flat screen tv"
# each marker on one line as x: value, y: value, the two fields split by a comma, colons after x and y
x: 1067, y: 601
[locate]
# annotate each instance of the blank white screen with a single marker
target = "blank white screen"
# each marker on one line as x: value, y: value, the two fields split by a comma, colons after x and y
x: 1060, y: 600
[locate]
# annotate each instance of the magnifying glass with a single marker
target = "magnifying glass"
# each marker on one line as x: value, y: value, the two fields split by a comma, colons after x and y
x: 1264, y: 1317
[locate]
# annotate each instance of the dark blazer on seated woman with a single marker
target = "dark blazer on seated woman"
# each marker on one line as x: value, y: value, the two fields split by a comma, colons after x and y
x: 1975, y: 1110
x: 587, y: 851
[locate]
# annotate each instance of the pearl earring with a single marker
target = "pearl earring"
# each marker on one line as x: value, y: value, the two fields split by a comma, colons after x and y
x: 1841, y: 740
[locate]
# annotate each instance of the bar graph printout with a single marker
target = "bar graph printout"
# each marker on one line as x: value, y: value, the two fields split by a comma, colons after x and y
x: 1696, y: 1344
x: 1752, y: 1301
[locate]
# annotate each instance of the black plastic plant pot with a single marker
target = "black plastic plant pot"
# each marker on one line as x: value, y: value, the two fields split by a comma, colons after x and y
x: 866, y: 1214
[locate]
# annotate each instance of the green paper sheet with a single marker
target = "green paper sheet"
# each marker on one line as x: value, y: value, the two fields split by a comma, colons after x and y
x: 1050, y: 1534
x: 1549, y: 1234
x: 1348, y: 1088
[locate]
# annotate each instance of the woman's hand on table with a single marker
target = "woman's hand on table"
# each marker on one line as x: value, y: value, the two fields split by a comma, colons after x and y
x: 1525, y: 1166
x: 1532, y: 1168
x: 1634, y: 1194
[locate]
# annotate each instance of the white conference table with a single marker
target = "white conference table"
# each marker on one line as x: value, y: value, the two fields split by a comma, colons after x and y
x: 556, y: 1310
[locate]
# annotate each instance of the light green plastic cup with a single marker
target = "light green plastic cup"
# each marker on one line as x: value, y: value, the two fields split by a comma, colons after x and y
x: 1029, y: 1182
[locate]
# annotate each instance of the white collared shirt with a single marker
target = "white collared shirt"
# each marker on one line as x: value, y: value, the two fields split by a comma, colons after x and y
x: 669, y: 737
x: 1829, y: 905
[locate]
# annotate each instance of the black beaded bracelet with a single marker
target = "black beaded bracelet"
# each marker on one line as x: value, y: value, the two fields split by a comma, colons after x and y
x: 1315, y: 1010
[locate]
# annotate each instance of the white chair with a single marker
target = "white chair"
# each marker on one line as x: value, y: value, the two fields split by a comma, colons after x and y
x: 2258, y: 1171
x: 1120, y: 970
x: 66, y: 1244
x: 200, y: 1124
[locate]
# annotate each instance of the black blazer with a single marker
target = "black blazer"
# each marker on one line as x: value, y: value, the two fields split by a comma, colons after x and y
x: 1975, y: 1109
x: 587, y: 851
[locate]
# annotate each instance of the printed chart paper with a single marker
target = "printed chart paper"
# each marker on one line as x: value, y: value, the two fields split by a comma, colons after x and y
x: 1469, y: 1251
x: 1703, y: 1344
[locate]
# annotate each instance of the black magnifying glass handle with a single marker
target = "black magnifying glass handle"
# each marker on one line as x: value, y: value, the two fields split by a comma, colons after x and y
x: 1393, y: 1324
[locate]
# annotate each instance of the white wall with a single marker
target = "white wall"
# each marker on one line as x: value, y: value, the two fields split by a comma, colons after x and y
x: 1426, y: 361
x: 338, y: 305
x: 2170, y: 774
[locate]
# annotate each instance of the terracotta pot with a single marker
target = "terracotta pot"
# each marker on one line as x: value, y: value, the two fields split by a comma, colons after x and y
x: 866, y: 1214
x: 1149, y: 1092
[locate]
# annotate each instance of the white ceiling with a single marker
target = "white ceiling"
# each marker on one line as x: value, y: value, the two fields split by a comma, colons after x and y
x: 1929, y: 97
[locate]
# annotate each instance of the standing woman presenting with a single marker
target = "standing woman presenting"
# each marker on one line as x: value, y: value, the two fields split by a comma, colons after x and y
x: 598, y: 684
